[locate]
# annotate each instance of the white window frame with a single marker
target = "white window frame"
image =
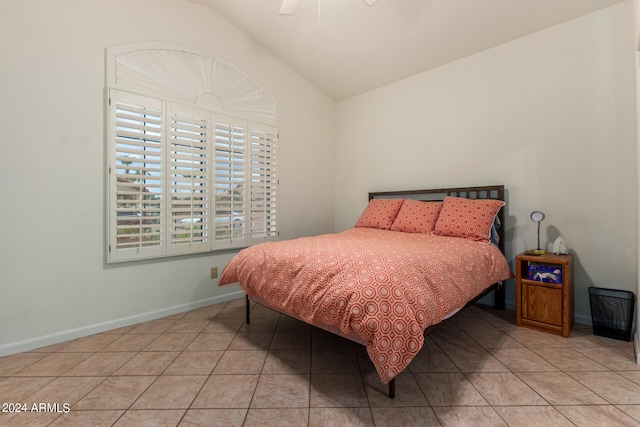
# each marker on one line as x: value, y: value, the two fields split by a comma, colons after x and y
x: 178, y: 181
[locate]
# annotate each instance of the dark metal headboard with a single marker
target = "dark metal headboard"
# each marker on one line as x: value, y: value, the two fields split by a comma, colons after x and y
x: 484, y: 192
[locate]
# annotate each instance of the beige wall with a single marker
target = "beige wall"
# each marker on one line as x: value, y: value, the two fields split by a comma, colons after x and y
x: 54, y: 284
x: 551, y: 116
x: 636, y: 22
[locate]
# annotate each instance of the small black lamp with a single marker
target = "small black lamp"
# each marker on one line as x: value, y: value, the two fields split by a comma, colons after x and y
x: 537, y: 216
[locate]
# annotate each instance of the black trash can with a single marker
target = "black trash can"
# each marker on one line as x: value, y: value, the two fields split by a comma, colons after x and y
x: 612, y: 312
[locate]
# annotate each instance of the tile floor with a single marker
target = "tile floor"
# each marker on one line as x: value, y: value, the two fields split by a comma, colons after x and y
x: 207, y: 367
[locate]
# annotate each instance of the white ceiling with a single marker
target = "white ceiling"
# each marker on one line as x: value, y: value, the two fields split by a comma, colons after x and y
x: 350, y: 48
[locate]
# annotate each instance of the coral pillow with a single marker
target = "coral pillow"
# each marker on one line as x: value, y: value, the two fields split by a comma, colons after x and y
x: 380, y: 213
x: 417, y: 217
x: 467, y: 218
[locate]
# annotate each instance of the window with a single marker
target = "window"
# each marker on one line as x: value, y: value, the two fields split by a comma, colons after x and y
x: 185, y: 178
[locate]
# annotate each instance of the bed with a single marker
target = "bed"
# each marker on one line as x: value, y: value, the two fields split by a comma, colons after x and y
x: 412, y: 259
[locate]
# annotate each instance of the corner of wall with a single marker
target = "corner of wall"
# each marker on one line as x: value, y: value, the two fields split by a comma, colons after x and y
x: 636, y: 23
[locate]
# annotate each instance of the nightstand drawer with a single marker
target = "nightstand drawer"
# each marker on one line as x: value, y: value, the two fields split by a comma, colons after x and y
x: 542, y: 304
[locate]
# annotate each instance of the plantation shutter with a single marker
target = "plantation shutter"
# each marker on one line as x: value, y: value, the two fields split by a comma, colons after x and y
x: 135, y: 177
x: 230, y: 183
x: 188, y: 173
x: 264, y: 183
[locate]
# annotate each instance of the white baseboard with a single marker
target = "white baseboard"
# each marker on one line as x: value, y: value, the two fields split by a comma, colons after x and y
x: 636, y: 346
x: 58, y: 337
x: 582, y: 319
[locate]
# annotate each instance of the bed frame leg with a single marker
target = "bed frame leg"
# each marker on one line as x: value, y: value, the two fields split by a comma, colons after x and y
x: 248, y: 318
x: 500, y: 297
x: 392, y: 388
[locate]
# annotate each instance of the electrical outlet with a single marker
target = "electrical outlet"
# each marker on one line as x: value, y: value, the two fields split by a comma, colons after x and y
x: 214, y: 272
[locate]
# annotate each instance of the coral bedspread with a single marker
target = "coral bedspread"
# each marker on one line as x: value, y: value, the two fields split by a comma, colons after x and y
x: 385, y: 286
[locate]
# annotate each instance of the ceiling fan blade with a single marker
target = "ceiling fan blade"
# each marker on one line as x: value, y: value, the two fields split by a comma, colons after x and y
x: 289, y: 7
x: 370, y: 2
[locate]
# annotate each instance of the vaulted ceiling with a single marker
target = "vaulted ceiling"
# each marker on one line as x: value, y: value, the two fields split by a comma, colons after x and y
x: 346, y: 47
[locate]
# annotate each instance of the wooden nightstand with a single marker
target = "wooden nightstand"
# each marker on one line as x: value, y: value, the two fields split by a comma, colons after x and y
x: 542, y: 305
